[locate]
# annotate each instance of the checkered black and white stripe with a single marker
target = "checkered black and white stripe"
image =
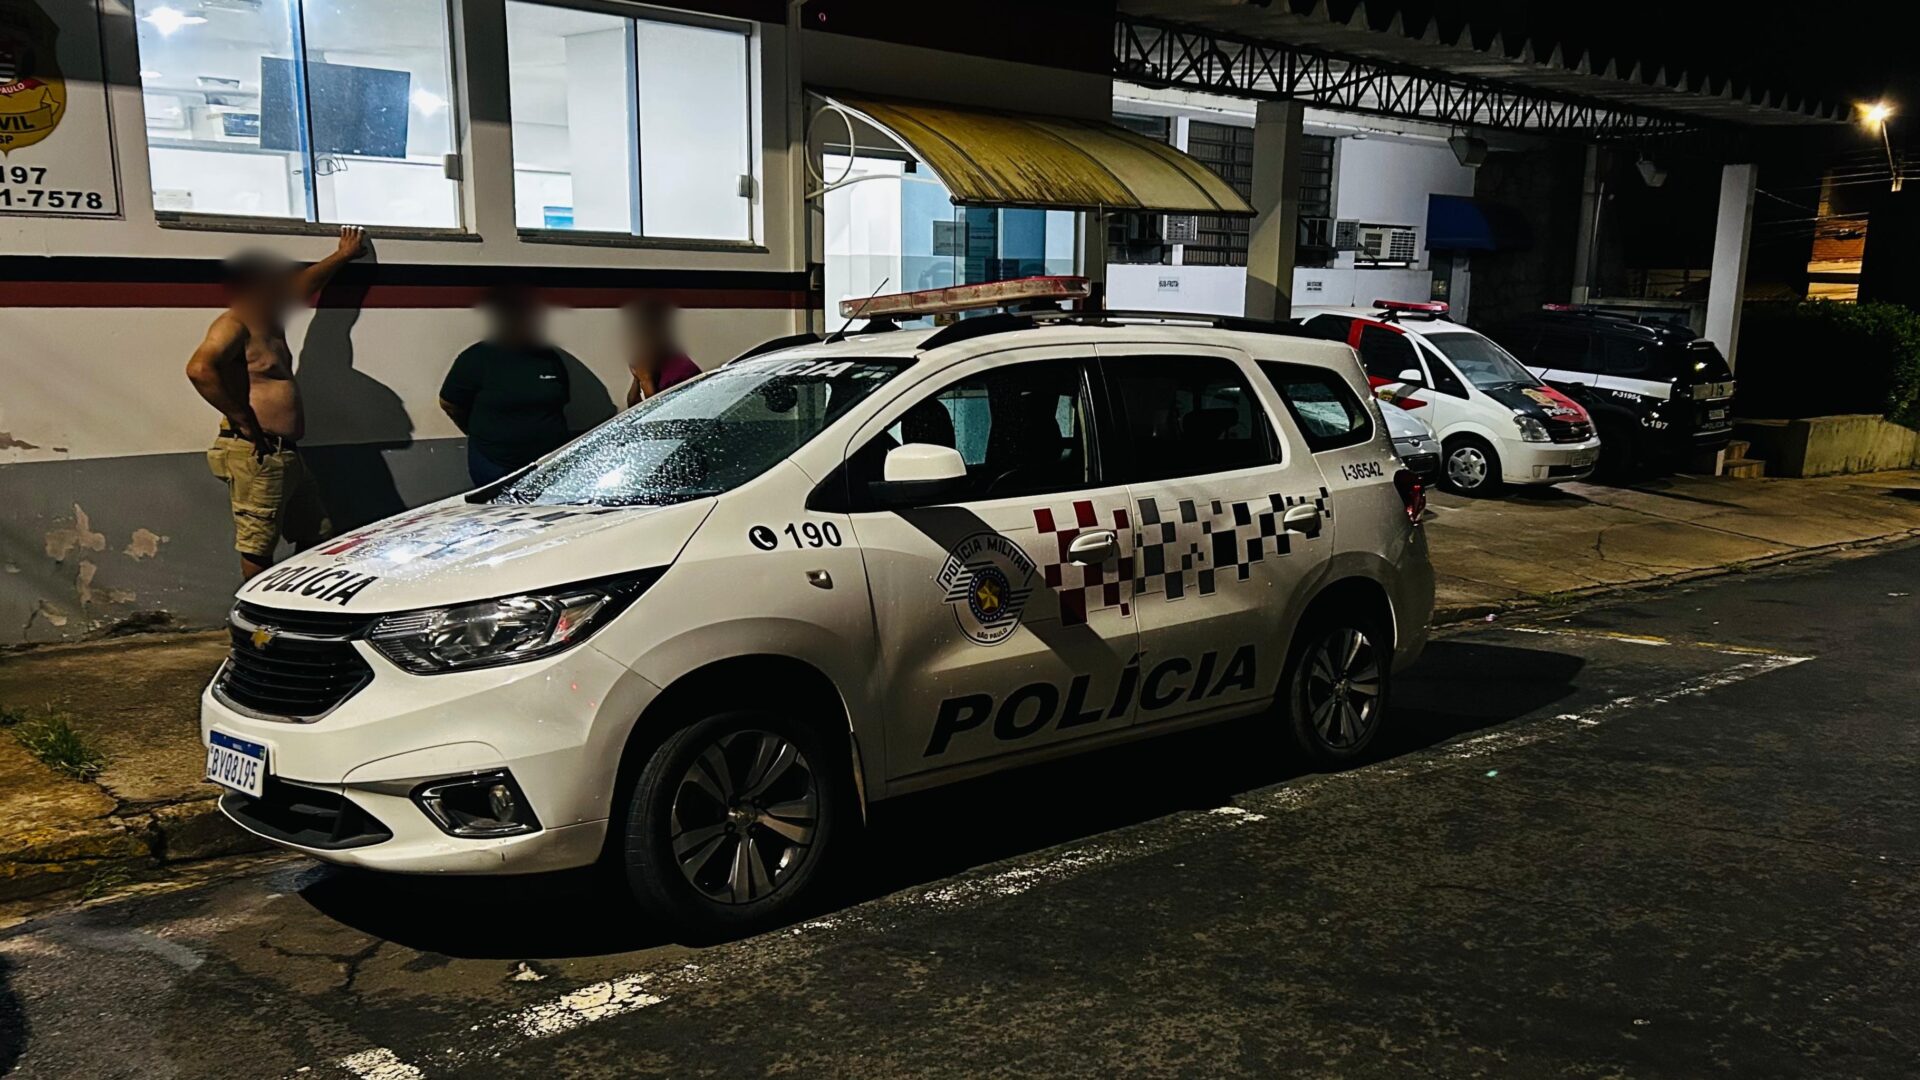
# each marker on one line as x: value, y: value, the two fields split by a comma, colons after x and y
x: 1173, y: 551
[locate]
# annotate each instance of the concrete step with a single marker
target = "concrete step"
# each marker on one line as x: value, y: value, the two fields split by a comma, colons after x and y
x: 1738, y: 448
x: 1744, y: 468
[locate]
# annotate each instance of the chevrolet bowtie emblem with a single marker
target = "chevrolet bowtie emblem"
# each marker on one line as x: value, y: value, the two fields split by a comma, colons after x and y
x: 261, y: 637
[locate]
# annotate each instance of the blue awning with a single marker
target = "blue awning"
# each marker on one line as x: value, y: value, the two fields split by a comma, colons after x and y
x: 1458, y: 223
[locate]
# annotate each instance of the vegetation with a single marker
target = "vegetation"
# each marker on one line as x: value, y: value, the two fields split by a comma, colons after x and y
x: 51, y: 737
x: 1818, y: 358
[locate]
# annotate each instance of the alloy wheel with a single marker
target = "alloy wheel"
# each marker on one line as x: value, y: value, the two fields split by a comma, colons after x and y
x: 1342, y: 688
x: 744, y: 816
x: 1467, y: 467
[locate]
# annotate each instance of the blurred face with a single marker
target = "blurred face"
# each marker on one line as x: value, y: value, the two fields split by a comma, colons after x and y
x: 265, y: 288
x: 520, y: 319
x: 653, y: 335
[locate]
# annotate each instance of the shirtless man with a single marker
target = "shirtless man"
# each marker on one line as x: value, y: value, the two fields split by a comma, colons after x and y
x: 245, y: 370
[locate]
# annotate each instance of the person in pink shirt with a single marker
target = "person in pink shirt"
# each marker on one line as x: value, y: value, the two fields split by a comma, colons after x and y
x: 657, y: 361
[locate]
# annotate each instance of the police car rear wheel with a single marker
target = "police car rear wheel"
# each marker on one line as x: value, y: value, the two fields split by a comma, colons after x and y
x: 1471, y: 467
x: 731, y: 820
x: 1337, y: 687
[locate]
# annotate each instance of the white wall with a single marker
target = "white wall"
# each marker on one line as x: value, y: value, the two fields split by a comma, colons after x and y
x: 1211, y: 290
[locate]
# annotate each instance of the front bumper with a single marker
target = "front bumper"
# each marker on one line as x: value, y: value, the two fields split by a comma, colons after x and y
x: 341, y: 789
x: 1548, y: 463
x: 1421, y: 457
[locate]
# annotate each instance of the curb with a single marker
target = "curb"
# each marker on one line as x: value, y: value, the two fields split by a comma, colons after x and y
x: 119, y: 846
x: 1463, y: 613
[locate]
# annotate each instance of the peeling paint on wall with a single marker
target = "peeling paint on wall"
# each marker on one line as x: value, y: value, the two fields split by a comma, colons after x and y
x: 8, y: 442
x: 61, y: 542
x: 145, y: 544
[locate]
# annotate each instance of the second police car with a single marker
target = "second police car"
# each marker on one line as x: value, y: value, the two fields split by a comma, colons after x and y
x: 1497, y: 422
x: 694, y: 644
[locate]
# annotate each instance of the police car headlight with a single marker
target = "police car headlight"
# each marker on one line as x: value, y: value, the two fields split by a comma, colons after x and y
x: 1531, y: 429
x: 506, y: 630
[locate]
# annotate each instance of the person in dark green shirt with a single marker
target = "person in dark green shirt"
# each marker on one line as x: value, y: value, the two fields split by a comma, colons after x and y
x: 508, y: 393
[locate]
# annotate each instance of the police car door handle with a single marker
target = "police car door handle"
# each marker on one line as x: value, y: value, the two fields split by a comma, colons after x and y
x: 1093, y: 548
x: 1302, y: 519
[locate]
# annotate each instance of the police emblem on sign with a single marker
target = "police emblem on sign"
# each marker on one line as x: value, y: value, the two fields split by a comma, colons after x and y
x: 986, y: 579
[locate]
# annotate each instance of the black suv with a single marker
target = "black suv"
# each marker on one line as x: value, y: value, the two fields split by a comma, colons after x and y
x: 1656, y: 393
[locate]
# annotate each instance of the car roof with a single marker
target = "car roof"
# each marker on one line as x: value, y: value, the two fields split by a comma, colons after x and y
x: 922, y: 343
x: 1414, y: 323
x: 1609, y: 322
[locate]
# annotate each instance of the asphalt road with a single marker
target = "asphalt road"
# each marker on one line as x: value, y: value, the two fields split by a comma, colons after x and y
x: 1671, y: 836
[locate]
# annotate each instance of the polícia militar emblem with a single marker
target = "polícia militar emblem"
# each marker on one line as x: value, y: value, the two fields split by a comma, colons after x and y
x: 986, y: 579
x: 33, y: 96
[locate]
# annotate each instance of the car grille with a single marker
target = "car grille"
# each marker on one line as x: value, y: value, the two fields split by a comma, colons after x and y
x: 291, y: 665
x: 1577, y: 431
x: 306, y: 816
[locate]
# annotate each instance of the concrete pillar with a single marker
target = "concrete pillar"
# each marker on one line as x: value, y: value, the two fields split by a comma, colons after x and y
x: 1276, y: 200
x: 1586, y: 245
x: 1732, y: 231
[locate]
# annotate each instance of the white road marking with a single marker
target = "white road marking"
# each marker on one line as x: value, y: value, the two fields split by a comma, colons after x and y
x: 379, y: 1063
x: 638, y: 990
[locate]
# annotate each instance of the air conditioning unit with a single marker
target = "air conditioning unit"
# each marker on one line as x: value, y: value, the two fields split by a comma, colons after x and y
x: 1346, y: 235
x: 1387, y: 243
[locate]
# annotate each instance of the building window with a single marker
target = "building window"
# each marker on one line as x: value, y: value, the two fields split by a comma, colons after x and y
x: 1133, y: 236
x: 639, y: 126
x: 1316, y: 202
x: 1228, y: 151
x: 326, y: 112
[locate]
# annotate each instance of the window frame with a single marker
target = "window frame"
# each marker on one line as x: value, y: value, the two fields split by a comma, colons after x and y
x: 192, y: 220
x: 635, y: 13
x: 1319, y: 444
x: 1118, y: 448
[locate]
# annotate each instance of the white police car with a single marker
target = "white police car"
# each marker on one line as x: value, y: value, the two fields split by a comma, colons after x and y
x: 697, y: 641
x: 1496, y: 421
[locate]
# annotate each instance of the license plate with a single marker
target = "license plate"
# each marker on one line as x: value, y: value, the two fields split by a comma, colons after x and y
x: 1584, y: 457
x: 236, y: 763
x: 1716, y: 414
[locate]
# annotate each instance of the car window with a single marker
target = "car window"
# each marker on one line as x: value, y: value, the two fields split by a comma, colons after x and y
x: 1480, y: 361
x: 1441, y: 372
x: 1623, y: 356
x: 1561, y: 348
x: 1322, y: 404
x: 1022, y: 430
x: 1386, y: 353
x: 1331, y: 327
x: 705, y: 436
x: 1186, y: 416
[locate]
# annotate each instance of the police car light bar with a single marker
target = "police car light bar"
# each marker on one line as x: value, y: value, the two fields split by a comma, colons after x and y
x: 1425, y: 307
x: 992, y: 294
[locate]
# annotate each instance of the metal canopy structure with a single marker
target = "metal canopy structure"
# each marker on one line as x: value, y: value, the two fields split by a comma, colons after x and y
x: 1271, y: 51
x: 1024, y: 160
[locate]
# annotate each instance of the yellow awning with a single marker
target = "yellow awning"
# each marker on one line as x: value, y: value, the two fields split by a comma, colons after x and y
x: 989, y: 158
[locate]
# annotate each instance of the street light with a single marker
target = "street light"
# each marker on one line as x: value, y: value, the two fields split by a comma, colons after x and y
x: 1875, y: 114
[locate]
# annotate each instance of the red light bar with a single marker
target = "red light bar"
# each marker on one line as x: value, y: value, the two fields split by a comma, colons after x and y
x: 1430, y: 307
x: 992, y: 294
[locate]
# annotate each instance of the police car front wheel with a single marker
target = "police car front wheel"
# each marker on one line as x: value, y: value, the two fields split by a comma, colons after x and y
x: 731, y: 820
x: 1470, y: 466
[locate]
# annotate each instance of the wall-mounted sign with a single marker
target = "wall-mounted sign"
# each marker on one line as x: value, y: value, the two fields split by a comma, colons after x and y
x: 56, y: 143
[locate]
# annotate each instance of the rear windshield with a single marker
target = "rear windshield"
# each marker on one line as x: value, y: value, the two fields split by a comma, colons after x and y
x: 703, y: 437
x: 1480, y: 361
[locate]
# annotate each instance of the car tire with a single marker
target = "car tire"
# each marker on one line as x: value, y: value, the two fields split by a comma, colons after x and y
x: 1469, y: 465
x: 734, y: 820
x: 1335, y: 694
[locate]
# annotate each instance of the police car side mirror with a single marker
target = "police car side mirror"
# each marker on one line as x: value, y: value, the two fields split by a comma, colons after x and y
x: 1412, y: 377
x: 919, y: 473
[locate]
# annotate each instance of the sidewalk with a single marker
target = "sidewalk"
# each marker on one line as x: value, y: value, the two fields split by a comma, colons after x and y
x: 135, y: 699
x: 1575, y: 539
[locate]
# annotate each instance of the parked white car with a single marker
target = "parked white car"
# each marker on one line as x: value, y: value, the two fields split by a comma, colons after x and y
x: 697, y: 641
x: 1414, y: 441
x: 1496, y: 421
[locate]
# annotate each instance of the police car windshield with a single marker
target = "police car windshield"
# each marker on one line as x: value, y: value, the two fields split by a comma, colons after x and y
x: 704, y: 437
x: 1480, y: 361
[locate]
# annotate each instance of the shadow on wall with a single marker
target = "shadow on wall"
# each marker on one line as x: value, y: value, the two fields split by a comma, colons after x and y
x: 589, y: 405
x: 357, y: 415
